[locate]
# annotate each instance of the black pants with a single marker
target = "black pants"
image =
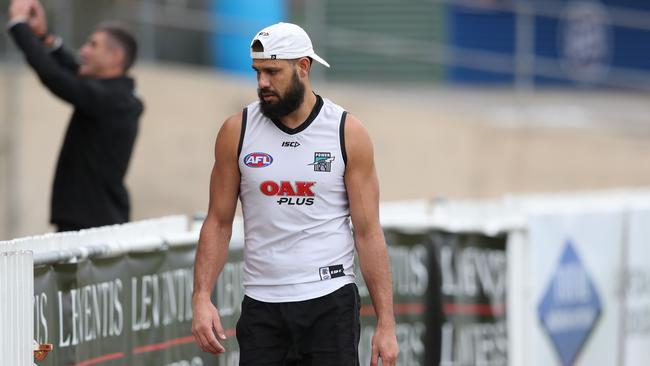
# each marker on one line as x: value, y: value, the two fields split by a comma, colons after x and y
x: 317, y: 332
x: 65, y: 226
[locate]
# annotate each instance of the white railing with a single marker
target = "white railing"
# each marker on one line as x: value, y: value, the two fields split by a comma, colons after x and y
x: 18, y: 258
x: 16, y: 308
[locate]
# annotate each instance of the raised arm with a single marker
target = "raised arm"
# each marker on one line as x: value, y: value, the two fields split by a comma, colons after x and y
x: 363, y: 193
x: 80, y: 92
x: 64, y: 57
x: 38, y: 23
x: 214, y: 239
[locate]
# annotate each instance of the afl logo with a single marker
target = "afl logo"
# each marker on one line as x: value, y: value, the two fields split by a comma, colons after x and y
x: 258, y: 160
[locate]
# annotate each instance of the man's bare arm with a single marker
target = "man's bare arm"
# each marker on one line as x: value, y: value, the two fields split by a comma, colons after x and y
x: 214, y: 239
x: 363, y: 193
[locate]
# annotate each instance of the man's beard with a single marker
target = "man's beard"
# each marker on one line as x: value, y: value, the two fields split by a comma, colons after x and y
x: 286, y: 104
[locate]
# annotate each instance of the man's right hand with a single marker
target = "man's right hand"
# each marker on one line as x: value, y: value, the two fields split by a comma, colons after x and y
x: 206, y: 326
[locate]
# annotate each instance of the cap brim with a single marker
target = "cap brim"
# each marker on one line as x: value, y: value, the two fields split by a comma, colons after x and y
x: 319, y: 59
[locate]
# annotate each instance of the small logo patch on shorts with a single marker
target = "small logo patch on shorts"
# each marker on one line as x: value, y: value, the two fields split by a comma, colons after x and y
x: 330, y: 272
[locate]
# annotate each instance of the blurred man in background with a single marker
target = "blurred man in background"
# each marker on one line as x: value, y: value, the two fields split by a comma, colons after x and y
x: 302, y: 168
x: 89, y: 185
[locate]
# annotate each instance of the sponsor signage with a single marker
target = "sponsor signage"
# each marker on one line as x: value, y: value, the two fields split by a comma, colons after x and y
x: 289, y: 193
x: 637, y: 290
x: 449, y: 299
x: 132, y: 309
x: 570, y: 307
x: 135, y: 309
x: 474, y: 276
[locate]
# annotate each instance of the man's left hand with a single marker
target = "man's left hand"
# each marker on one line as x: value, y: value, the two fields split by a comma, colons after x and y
x: 19, y: 10
x: 384, y: 347
x: 37, y: 20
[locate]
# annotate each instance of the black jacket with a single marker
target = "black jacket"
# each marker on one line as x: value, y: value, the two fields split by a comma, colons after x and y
x: 89, y: 183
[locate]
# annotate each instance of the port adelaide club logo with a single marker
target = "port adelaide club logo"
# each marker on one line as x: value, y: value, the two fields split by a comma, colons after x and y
x: 322, y: 162
x: 258, y: 160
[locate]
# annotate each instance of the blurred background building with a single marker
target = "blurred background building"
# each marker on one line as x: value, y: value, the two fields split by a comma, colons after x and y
x: 463, y: 98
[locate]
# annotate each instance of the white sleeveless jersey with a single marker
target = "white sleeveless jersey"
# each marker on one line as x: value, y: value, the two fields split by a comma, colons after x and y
x: 298, y: 244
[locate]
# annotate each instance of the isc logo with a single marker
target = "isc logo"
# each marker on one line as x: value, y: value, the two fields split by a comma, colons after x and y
x: 258, y: 160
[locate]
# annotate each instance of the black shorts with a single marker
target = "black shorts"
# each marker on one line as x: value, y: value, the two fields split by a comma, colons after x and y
x: 319, y: 332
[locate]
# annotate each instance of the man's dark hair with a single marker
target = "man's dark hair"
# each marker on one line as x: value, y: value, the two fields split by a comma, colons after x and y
x: 257, y: 46
x: 124, y: 39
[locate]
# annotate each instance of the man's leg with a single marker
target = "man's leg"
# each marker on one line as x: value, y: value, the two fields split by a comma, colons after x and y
x: 262, y: 334
x: 328, y: 329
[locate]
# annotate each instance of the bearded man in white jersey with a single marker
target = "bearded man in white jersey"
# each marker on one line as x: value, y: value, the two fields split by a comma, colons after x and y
x: 303, y: 168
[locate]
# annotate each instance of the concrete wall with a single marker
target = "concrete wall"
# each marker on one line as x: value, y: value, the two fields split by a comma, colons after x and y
x: 428, y: 142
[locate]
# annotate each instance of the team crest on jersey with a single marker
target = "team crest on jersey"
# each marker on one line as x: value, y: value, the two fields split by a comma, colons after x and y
x: 258, y: 160
x: 322, y: 162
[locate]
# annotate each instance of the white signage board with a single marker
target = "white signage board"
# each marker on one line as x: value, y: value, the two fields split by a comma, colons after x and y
x: 573, y: 271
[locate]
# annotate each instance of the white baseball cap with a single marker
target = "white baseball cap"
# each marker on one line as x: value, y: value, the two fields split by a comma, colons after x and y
x: 284, y: 41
